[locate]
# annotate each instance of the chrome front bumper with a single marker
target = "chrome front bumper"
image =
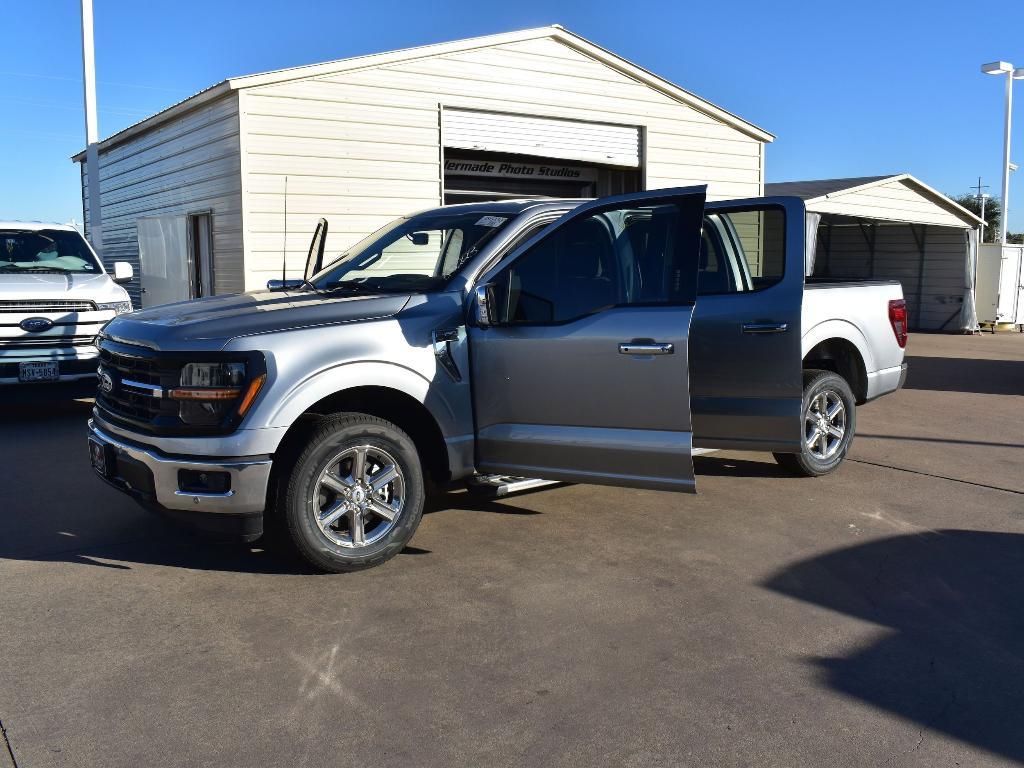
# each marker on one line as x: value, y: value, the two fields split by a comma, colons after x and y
x: 153, y: 478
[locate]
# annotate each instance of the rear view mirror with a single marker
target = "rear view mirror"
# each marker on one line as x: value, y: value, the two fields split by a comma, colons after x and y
x: 315, y: 257
x: 123, y: 272
x: 419, y: 238
x: 282, y: 285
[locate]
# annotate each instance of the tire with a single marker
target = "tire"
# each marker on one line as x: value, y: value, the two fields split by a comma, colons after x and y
x: 817, y: 458
x: 344, y: 525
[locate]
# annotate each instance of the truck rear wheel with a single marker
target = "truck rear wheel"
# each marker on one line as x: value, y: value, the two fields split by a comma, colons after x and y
x: 354, y: 496
x: 828, y: 422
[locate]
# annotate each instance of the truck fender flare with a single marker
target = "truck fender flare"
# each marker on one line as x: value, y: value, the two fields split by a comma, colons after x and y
x: 380, y: 374
x: 838, y: 329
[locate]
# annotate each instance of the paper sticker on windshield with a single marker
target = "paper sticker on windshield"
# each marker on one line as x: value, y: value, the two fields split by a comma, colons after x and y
x: 492, y: 221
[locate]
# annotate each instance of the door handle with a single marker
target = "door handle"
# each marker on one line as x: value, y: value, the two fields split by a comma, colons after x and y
x: 765, y: 327
x: 646, y: 348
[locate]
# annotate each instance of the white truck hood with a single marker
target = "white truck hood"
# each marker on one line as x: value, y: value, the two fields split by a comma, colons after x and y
x: 45, y: 285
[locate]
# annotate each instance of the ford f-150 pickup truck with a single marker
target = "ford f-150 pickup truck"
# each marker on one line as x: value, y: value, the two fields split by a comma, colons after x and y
x: 54, y: 297
x: 600, y: 341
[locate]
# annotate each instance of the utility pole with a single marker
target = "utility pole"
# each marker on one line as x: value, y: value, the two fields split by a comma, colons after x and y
x: 92, y: 138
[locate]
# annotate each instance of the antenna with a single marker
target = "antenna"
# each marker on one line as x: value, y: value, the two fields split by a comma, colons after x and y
x: 284, y: 249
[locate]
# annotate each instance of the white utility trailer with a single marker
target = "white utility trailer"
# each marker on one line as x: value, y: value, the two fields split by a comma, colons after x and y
x: 1000, y: 286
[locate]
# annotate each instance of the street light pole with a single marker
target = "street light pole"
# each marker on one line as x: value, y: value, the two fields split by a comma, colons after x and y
x: 1006, y: 158
x: 1005, y: 68
x: 92, y: 138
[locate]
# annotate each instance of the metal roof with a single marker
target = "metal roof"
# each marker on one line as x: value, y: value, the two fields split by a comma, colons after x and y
x: 555, y: 32
x: 817, y: 190
x: 809, y: 190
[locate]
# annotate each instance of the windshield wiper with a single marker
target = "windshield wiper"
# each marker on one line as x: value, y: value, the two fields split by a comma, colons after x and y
x: 350, y: 285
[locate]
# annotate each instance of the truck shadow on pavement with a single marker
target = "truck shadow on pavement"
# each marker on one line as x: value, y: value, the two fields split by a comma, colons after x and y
x: 958, y: 374
x: 55, y: 510
x: 953, y: 658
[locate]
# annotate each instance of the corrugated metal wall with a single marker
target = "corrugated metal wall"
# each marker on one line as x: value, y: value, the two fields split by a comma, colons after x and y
x: 362, y: 147
x: 186, y: 165
x: 933, y: 283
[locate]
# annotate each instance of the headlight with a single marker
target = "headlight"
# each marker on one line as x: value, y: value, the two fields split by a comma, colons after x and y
x: 120, y: 307
x: 209, y: 392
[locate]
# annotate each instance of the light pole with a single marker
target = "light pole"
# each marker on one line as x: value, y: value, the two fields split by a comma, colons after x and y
x: 92, y: 138
x: 1005, y: 68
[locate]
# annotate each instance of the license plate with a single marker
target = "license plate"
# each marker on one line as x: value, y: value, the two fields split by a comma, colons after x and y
x: 98, y: 456
x: 36, y: 371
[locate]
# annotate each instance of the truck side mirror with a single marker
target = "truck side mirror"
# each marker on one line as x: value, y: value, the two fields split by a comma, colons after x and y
x: 484, y: 305
x: 123, y: 272
x: 315, y: 257
x: 282, y: 285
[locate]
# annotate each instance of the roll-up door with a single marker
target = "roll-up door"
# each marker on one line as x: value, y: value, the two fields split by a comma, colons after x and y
x: 542, y: 137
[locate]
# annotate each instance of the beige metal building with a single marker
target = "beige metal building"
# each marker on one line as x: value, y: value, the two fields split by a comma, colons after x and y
x: 194, y: 197
x: 896, y: 227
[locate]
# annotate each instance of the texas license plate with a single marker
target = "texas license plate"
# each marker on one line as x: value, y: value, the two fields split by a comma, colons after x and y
x: 98, y: 456
x: 38, y: 371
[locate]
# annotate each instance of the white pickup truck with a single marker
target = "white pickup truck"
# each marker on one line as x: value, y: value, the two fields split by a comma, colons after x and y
x: 54, y: 297
x: 597, y: 342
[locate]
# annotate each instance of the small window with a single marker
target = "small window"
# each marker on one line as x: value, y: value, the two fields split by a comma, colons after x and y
x: 610, y: 258
x: 742, y: 251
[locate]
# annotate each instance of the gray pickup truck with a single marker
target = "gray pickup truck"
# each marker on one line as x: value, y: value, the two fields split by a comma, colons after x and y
x: 602, y: 341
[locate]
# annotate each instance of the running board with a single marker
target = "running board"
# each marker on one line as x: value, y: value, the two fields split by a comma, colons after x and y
x: 502, y: 485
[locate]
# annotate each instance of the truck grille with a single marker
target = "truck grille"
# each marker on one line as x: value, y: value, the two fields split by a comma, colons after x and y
x: 46, y: 305
x: 46, y: 342
x: 138, y: 405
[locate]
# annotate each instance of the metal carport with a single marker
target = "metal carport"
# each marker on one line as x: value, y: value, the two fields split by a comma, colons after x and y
x: 895, y: 227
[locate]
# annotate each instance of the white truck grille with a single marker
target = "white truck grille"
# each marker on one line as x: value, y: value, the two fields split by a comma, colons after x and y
x: 46, y: 305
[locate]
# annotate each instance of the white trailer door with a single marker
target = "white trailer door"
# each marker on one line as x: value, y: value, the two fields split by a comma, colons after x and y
x: 163, y: 259
x: 1011, y: 285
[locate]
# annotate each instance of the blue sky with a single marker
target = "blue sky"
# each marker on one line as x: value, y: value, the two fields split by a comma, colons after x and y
x: 850, y: 89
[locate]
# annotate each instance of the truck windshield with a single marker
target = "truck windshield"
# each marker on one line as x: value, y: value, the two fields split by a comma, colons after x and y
x: 418, y: 253
x: 46, y: 250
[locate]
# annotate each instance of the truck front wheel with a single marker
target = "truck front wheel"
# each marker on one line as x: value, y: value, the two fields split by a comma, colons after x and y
x: 827, y: 422
x: 355, y: 493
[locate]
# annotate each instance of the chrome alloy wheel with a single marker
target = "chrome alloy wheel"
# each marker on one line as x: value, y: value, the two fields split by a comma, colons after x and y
x: 359, y: 496
x: 824, y: 425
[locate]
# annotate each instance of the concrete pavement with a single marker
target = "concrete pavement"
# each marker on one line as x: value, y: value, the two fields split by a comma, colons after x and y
x: 870, y: 617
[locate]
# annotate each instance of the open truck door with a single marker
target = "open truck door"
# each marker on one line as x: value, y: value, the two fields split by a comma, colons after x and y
x: 579, y: 346
x: 746, y: 382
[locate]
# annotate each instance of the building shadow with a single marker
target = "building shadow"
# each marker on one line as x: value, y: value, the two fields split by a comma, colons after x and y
x: 952, y: 659
x: 959, y: 374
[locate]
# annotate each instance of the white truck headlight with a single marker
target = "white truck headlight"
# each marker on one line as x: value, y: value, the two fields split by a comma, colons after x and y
x: 119, y: 307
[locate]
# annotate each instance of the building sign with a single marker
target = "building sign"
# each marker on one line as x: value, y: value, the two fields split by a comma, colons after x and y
x: 510, y: 169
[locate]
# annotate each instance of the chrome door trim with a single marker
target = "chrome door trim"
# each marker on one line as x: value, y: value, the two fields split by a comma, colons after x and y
x: 646, y: 348
x: 765, y: 327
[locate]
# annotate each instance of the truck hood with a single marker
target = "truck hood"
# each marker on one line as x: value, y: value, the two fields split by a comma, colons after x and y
x: 205, y: 324
x: 45, y: 285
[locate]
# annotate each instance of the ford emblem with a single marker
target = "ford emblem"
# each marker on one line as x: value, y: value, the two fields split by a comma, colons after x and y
x: 106, y: 383
x: 35, y: 324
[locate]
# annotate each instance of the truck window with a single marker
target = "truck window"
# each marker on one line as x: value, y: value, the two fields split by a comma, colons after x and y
x: 46, y: 250
x: 607, y: 259
x: 741, y: 251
